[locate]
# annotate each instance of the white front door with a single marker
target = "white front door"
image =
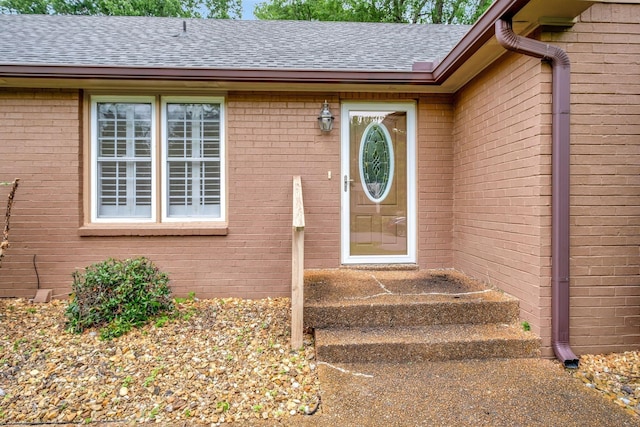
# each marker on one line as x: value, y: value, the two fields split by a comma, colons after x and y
x: 378, y: 183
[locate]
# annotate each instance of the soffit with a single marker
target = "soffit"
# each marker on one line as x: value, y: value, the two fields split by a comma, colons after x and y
x: 533, y: 15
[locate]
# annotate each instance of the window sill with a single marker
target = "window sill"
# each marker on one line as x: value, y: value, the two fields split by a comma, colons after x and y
x: 184, y: 229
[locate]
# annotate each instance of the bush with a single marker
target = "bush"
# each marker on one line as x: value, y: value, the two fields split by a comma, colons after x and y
x: 117, y: 295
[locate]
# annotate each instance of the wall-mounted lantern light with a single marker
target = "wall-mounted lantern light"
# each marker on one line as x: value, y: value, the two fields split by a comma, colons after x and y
x: 325, y: 119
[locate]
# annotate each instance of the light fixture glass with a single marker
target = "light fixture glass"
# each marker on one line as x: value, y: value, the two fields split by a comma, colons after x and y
x: 325, y: 119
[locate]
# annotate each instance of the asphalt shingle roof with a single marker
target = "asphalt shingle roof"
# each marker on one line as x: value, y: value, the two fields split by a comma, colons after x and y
x: 222, y: 44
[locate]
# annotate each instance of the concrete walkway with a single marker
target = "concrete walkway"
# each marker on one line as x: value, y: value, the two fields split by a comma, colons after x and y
x: 499, y: 392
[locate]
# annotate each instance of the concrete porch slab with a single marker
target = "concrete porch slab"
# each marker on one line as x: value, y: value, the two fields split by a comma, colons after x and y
x: 347, y: 285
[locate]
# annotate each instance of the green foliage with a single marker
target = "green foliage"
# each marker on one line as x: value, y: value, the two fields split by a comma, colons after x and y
x: 223, y: 9
x: 304, y: 10
x: 117, y: 295
x: 161, y: 321
x: 407, y: 11
x: 151, y: 378
x: 525, y: 326
x: 154, y: 412
x: 191, y: 296
x: 223, y: 406
x: 17, y: 343
x: 127, y: 381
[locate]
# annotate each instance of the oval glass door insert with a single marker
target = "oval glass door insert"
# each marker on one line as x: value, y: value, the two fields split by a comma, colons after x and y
x: 376, y: 162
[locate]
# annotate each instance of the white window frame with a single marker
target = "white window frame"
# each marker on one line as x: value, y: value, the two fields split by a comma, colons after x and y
x: 94, y: 157
x: 158, y: 159
x: 191, y: 100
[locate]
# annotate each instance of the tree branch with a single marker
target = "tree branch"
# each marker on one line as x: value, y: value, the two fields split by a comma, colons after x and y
x: 5, y: 232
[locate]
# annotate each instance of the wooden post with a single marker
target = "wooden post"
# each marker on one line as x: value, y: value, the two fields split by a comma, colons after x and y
x: 297, y: 266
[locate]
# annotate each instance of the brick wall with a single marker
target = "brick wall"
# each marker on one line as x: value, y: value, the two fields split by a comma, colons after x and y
x: 39, y: 144
x: 502, y: 187
x: 435, y: 182
x: 604, y: 47
x: 501, y: 183
x: 271, y: 137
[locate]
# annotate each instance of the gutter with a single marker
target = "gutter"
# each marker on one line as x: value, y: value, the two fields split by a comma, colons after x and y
x: 561, y: 92
x: 216, y: 74
x: 477, y: 36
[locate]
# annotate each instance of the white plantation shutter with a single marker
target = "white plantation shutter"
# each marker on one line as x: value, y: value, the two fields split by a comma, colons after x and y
x: 129, y: 161
x: 124, y: 147
x: 193, y: 160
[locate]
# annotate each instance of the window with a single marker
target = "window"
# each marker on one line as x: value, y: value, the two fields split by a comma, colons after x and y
x: 145, y: 172
x: 375, y: 162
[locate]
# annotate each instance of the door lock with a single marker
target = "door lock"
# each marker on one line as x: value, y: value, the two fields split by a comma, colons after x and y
x: 346, y: 182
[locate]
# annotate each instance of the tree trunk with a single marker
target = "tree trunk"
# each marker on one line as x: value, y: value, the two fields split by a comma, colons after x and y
x: 437, y: 12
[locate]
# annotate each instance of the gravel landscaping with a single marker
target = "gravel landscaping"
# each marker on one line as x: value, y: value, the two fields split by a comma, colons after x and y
x: 218, y: 361
x: 616, y: 376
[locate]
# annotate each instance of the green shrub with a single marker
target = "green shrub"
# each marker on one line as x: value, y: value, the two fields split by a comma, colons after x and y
x: 117, y: 295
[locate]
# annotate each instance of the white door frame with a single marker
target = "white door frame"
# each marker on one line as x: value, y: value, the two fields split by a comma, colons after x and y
x: 410, y: 257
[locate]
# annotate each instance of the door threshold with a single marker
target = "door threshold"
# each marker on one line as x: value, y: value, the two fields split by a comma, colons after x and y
x: 378, y: 267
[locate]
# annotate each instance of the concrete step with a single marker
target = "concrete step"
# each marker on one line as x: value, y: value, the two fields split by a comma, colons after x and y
x: 425, y: 343
x: 388, y: 311
x: 411, y: 316
x: 335, y: 298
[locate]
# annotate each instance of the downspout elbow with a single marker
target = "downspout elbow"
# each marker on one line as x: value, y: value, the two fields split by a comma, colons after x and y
x: 560, y: 180
x: 511, y: 41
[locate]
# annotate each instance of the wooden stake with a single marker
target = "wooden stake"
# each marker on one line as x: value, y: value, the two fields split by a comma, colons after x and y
x: 297, y: 267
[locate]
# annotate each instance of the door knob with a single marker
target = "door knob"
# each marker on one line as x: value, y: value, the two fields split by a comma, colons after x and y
x: 346, y: 182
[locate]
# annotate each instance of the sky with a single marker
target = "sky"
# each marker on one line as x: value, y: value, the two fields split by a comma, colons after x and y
x: 247, y: 8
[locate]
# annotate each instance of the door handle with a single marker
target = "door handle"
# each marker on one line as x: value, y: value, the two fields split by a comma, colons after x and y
x: 346, y: 182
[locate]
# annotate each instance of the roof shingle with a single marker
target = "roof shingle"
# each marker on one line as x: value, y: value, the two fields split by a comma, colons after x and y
x: 221, y: 44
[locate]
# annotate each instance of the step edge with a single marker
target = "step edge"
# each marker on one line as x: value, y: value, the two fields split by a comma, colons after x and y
x: 420, y: 334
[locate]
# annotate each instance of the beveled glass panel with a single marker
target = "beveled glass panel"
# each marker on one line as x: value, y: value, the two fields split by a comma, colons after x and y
x: 376, y: 162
